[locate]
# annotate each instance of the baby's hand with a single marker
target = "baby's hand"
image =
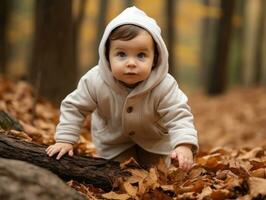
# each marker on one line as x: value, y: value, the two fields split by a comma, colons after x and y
x: 61, y: 149
x: 184, y: 155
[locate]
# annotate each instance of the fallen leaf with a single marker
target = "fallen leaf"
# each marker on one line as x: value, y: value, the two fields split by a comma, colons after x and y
x: 207, y: 191
x: 219, y: 194
x: 115, y: 196
x: 257, y: 186
x: 261, y: 173
x: 131, y: 190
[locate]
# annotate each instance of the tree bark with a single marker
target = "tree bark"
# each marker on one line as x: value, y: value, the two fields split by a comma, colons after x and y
x: 218, y: 74
x: 170, y: 11
x: 4, y: 15
x: 101, y: 23
x: 263, y: 51
x: 96, y: 171
x: 251, y: 14
x: 259, y: 44
x: 53, y: 59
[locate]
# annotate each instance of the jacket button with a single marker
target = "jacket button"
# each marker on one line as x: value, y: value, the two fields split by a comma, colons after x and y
x: 131, y: 133
x: 129, y: 109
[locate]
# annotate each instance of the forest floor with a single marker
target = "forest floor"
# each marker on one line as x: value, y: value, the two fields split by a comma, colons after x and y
x: 231, y: 163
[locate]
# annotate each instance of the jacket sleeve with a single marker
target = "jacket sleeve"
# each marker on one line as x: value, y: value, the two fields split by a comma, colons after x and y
x: 175, y: 115
x: 74, y: 109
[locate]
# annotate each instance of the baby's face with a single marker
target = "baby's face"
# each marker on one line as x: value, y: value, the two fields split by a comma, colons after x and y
x: 131, y: 61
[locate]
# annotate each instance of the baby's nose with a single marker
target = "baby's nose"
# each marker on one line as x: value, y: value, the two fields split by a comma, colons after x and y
x: 131, y: 62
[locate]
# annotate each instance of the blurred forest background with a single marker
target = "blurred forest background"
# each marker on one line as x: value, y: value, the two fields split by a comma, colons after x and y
x: 216, y: 49
x: 213, y: 44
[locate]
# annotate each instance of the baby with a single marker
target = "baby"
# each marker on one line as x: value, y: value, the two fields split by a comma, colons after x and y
x: 137, y: 108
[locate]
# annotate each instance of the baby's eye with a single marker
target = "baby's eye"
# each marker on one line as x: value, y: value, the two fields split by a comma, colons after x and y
x: 121, y: 54
x: 141, y: 55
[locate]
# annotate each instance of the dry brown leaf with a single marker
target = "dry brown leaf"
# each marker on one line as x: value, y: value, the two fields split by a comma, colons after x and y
x: 256, y: 152
x: 206, y: 192
x: 131, y: 190
x: 257, y: 164
x: 163, y: 172
x: 115, y: 196
x: 196, y: 172
x: 150, y: 182
x: 137, y: 175
x: 130, y: 163
x: 155, y: 194
x: 187, y: 195
x: 219, y: 194
x: 19, y: 134
x: 257, y: 186
x: 260, y: 173
x: 167, y: 188
x: 177, y: 176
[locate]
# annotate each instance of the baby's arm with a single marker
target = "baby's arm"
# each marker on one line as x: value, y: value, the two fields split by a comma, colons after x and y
x: 74, y: 109
x: 177, y: 118
x: 60, y: 148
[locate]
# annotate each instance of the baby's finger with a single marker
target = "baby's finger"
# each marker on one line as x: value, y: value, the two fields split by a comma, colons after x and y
x: 181, y: 162
x: 48, y: 148
x: 53, y: 151
x: 61, y: 153
x: 48, y: 151
x: 70, y: 152
x: 187, y: 165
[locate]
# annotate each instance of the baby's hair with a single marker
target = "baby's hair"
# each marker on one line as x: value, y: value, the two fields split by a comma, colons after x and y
x: 125, y: 33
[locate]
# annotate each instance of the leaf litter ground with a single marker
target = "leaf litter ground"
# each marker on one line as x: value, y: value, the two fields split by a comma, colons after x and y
x: 231, y: 163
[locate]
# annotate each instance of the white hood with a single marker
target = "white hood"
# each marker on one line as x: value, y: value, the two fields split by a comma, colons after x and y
x: 133, y: 15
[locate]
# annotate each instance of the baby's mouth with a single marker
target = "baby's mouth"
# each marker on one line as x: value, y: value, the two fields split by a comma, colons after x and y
x: 130, y: 73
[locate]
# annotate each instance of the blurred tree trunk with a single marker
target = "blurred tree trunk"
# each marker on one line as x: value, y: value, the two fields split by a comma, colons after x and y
x: 128, y: 3
x: 4, y: 15
x: 102, y: 13
x: 249, y: 41
x: 259, y: 43
x: 170, y: 12
x: 218, y: 73
x: 263, y: 51
x: 207, y: 41
x: 236, y: 54
x: 53, y: 49
x: 77, y: 22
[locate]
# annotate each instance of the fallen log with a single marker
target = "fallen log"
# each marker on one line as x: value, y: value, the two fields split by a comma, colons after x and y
x: 25, y: 181
x: 96, y: 171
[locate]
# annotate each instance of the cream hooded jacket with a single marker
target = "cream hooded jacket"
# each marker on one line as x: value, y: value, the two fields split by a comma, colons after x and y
x: 154, y: 115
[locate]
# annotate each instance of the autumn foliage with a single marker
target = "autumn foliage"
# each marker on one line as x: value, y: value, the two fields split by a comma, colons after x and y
x: 230, y: 165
